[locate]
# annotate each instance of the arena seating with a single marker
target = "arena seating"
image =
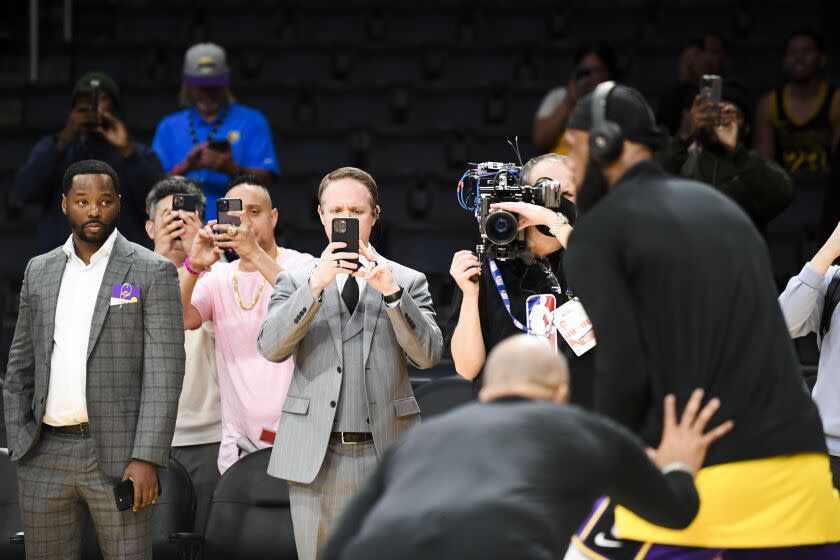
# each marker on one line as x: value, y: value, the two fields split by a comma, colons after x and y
x: 411, y: 92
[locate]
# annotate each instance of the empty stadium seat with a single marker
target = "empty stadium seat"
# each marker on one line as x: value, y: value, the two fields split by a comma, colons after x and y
x: 442, y: 395
x: 10, y: 520
x: 249, y: 515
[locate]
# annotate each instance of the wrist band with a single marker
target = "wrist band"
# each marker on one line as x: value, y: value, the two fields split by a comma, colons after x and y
x: 189, y: 268
x: 678, y: 466
x: 395, y: 297
x: 559, y: 221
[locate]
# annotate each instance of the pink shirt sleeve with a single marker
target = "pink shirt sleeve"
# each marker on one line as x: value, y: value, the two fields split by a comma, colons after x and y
x: 202, y: 297
x: 296, y: 259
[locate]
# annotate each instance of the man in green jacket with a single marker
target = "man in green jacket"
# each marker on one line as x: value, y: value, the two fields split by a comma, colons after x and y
x: 710, y: 148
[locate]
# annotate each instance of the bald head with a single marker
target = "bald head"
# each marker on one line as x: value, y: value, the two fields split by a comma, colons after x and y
x: 524, y: 366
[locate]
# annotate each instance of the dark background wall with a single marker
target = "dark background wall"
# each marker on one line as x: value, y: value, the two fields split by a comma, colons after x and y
x: 409, y: 91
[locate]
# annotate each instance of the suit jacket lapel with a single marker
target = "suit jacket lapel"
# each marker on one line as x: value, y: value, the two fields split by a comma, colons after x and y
x: 53, y: 275
x: 332, y: 309
x: 119, y: 264
x: 372, y: 306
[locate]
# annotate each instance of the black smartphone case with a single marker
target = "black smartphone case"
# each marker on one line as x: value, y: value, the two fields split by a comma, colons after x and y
x: 347, y: 230
x: 124, y: 495
x: 187, y: 202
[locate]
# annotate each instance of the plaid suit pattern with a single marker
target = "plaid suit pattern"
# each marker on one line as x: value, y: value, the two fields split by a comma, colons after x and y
x: 135, y: 370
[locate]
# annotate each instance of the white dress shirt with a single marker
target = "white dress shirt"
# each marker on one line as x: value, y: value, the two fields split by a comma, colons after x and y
x: 66, y: 396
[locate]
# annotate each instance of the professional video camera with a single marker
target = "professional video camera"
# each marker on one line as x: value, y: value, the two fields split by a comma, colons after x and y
x: 490, y: 182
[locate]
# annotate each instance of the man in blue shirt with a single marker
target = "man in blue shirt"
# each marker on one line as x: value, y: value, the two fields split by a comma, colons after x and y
x: 213, y: 139
x: 93, y: 131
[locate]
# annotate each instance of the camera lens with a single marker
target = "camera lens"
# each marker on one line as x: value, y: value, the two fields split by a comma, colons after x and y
x: 224, y: 205
x: 179, y: 201
x: 501, y: 227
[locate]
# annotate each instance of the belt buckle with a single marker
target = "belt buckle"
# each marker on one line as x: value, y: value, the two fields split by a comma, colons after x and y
x: 82, y: 430
x: 347, y: 442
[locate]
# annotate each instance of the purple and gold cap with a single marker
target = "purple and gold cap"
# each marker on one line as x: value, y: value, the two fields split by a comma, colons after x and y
x: 205, y: 65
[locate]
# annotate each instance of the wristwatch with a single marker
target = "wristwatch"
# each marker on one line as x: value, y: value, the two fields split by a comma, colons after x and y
x: 559, y: 221
x: 394, y: 298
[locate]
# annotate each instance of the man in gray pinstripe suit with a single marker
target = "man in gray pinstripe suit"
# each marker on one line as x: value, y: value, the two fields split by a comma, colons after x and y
x: 93, y: 378
x: 350, y: 330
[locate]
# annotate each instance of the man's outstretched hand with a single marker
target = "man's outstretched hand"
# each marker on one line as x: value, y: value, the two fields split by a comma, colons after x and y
x: 686, y: 441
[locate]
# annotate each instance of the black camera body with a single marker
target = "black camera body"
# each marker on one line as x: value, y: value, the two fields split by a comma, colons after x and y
x: 491, y: 182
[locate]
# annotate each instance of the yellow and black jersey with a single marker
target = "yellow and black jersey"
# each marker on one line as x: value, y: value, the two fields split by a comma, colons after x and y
x: 803, y: 146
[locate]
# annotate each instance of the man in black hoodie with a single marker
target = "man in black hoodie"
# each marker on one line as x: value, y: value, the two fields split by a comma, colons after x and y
x: 677, y: 283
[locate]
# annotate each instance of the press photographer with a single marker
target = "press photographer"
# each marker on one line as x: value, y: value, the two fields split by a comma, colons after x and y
x: 523, y: 233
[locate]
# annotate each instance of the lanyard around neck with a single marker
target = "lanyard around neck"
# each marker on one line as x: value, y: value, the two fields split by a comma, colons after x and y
x: 502, y: 289
x: 216, y: 125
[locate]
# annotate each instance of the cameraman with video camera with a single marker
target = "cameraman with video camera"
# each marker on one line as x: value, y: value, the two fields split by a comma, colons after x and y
x: 481, y: 317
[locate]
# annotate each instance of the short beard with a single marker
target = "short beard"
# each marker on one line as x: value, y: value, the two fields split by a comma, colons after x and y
x: 593, y: 188
x: 107, y: 230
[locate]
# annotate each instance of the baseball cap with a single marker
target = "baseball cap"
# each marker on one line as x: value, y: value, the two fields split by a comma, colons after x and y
x: 627, y: 108
x: 205, y: 64
x: 97, y: 79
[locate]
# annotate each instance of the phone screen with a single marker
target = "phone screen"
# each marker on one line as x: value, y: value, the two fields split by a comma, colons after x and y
x: 347, y: 230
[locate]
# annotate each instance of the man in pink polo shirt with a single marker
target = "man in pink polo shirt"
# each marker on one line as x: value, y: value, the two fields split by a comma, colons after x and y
x: 235, y: 296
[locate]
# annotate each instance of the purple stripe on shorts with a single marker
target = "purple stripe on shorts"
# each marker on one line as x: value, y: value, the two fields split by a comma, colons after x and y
x: 820, y: 552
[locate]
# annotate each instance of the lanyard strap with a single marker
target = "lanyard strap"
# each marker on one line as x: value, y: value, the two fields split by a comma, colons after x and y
x: 500, y: 287
x: 216, y: 126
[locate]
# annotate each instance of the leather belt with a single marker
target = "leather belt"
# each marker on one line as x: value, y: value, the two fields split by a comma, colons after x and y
x: 81, y: 430
x: 352, y: 438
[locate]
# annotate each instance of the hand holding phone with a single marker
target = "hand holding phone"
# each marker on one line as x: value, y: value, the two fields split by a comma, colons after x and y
x: 125, y: 494
x: 338, y: 257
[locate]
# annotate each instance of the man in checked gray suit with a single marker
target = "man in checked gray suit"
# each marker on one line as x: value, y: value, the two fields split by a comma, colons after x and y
x: 93, y: 378
x: 351, y: 331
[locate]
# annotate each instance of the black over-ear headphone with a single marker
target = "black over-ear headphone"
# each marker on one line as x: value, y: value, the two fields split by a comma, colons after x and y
x: 606, y: 139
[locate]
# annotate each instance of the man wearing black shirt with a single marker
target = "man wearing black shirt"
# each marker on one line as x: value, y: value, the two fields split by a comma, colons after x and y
x: 677, y: 283
x: 480, y: 320
x: 446, y: 491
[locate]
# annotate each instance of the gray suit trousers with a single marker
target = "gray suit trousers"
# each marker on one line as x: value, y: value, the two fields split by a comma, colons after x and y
x: 58, y: 480
x: 317, y: 506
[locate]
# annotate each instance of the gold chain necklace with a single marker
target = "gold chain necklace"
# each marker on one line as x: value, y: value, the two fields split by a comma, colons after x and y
x: 236, y: 288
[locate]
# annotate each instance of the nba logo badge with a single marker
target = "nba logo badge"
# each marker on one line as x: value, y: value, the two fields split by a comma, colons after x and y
x: 539, y: 312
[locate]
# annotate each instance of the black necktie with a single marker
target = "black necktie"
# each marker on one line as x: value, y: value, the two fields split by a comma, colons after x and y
x: 350, y: 294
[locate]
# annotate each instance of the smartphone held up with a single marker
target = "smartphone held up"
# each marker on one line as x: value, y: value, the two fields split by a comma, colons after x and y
x: 347, y: 230
x: 224, y: 206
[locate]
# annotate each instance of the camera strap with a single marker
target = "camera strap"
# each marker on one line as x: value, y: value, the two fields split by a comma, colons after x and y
x: 500, y: 287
